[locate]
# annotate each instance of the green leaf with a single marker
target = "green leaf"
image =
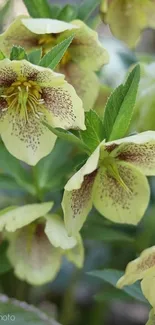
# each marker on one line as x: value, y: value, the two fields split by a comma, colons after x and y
x: 112, y: 276
x: 53, y: 57
x: 35, y: 56
x: 110, y: 293
x: 5, y: 265
x: 68, y: 13
x: 51, y: 172
x: 93, y: 134
x: 106, y: 234
x: 67, y: 136
x: 18, y: 53
x: 98, y: 228
x: 55, y: 10
x: 8, y: 183
x: 12, y: 166
x: 2, y: 56
x: 86, y: 8
x: 119, y: 108
x: 38, y: 8
x: 17, y: 312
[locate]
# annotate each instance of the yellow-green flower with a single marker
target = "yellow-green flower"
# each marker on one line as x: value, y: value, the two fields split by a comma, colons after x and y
x: 84, y: 56
x: 38, y: 241
x: 113, y: 180
x: 142, y: 268
x: 29, y: 95
x: 127, y: 18
x: 151, y: 320
x: 144, y: 117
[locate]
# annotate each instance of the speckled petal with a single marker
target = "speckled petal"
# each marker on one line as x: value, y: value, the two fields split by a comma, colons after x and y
x: 28, y: 142
x: 28, y: 139
x: 18, y: 34
x: 65, y: 106
x: 117, y: 203
x: 8, y: 73
x: 148, y: 287
x: 77, y: 199
x: 11, y: 70
x: 77, y: 204
x: 85, y: 83
x: 19, y: 217
x: 76, y: 254
x: 86, y: 48
x: 151, y: 320
x: 138, y: 268
x: 33, y: 257
x: 61, y: 100
x: 45, y: 77
x: 57, y: 234
x: 139, y: 150
x: 89, y: 167
x: 47, y: 26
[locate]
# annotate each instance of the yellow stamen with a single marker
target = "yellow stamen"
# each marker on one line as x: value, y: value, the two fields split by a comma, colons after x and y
x: 25, y: 98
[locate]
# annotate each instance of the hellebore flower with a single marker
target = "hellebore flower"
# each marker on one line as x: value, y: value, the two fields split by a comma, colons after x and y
x: 113, y: 180
x: 30, y: 95
x: 142, y: 268
x: 38, y: 241
x: 151, y: 320
x: 144, y: 118
x: 127, y: 18
x: 84, y: 56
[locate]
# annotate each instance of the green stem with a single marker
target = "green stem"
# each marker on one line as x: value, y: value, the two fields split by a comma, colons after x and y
x: 98, y: 314
x: 68, y: 304
x: 39, y: 193
x: 22, y: 291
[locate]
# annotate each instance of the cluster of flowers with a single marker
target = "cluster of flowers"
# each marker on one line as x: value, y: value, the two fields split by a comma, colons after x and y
x: 113, y: 179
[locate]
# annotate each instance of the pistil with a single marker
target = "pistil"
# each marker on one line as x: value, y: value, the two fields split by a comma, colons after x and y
x: 111, y: 166
x: 24, y: 97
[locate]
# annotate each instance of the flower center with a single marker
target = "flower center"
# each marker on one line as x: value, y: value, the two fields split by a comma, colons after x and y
x: 47, y: 41
x: 24, y: 97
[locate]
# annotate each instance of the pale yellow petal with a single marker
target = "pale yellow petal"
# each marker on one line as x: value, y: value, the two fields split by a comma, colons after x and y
x: 8, y: 73
x: 86, y: 48
x: 76, y: 254
x: 138, y: 268
x: 47, y: 25
x: 34, y: 259
x: 148, y: 287
x: 84, y: 81
x: 65, y: 106
x: 151, y: 320
x: 18, y: 34
x: 126, y: 19
x: 57, y: 234
x: 139, y: 150
x: 77, y: 204
x: 122, y: 201
x: 22, y: 216
x: 28, y: 142
x: 89, y: 167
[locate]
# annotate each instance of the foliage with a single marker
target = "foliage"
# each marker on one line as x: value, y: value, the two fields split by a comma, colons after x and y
x: 77, y: 146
